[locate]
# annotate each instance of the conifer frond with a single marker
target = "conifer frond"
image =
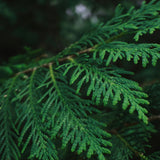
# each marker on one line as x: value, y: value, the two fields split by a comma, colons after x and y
x: 8, y: 133
x: 138, y: 22
x: 32, y: 130
x: 119, y: 150
x: 135, y: 21
x: 136, y: 52
x: 103, y: 85
x: 127, y: 144
x: 130, y: 137
x: 70, y: 117
x: 154, y: 156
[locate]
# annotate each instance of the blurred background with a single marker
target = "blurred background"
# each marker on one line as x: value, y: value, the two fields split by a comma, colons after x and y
x: 50, y: 24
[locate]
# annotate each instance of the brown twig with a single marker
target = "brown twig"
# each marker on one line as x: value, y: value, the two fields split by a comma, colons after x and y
x: 59, y: 60
x: 154, y: 117
x: 146, y: 84
x: 72, y: 56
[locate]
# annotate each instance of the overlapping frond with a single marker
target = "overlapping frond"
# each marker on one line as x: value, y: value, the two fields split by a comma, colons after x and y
x: 106, y: 84
x: 131, y: 142
x: 135, y: 21
x: 130, y: 137
x: 138, y: 22
x: 8, y: 133
x: 32, y: 130
x: 154, y: 156
x: 120, y: 151
x: 113, y: 51
x: 70, y: 119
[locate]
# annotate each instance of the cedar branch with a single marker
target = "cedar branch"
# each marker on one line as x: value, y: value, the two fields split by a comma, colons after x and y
x: 72, y: 56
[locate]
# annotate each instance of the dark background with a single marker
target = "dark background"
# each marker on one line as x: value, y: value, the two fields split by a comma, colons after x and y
x: 50, y: 24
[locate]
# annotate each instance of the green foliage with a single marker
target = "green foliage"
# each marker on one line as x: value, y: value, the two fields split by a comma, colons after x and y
x: 78, y: 99
x: 108, y: 83
x: 135, y: 22
x: 120, y: 50
x: 154, y: 156
x: 8, y: 132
